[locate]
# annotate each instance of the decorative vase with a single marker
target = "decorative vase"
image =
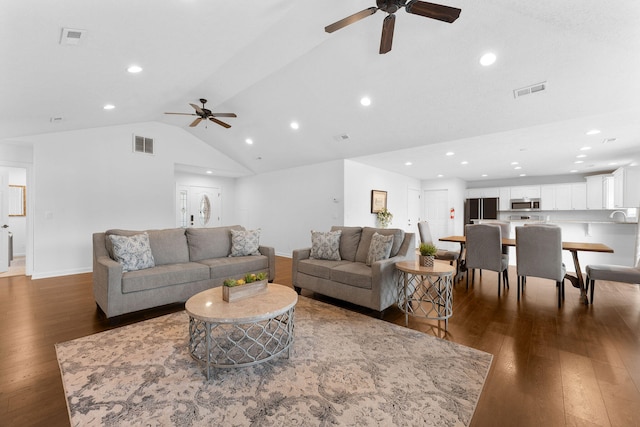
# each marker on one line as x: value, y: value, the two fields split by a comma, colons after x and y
x: 426, y: 260
x: 234, y: 293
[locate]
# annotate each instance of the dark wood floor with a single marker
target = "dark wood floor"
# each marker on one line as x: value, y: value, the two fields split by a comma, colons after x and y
x: 578, y: 366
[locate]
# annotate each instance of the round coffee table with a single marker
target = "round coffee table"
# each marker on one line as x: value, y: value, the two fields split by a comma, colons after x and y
x: 429, y: 285
x: 240, y: 333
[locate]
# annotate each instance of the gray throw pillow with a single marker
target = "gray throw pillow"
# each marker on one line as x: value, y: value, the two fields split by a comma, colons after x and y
x: 245, y: 242
x: 380, y: 248
x: 325, y: 245
x: 133, y: 252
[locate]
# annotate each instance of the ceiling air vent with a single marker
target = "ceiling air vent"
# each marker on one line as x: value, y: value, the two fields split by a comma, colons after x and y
x: 142, y: 144
x: 538, y: 87
x: 343, y: 137
x: 72, y: 37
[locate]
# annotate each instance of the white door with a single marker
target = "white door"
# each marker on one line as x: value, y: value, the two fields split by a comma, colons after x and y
x: 413, y: 212
x: 436, y: 212
x: 199, y: 206
x: 4, y: 236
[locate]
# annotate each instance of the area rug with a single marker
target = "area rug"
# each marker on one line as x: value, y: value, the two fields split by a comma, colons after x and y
x: 344, y: 369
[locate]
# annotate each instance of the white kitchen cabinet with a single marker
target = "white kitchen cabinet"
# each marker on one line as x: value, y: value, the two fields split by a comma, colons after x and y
x: 477, y: 193
x: 504, y: 193
x: 579, y: 196
x: 599, y: 192
x: 525, y: 192
x: 563, y: 197
x: 626, y: 187
x: 547, y: 197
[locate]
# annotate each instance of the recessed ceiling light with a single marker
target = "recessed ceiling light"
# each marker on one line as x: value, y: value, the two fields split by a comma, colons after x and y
x: 366, y: 101
x: 593, y: 132
x: 450, y: 153
x: 514, y: 163
x: 109, y: 107
x: 295, y: 125
x: 585, y: 148
x: 408, y: 163
x: 249, y: 141
x: 440, y: 175
x: 209, y: 172
x: 518, y: 167
x: 577, y: 162
x: 581, y: 156
x: 487, y: 59
x: 464, y: 162
x: 484, y: 175
x: 523, y: 174
x: 612, y: 164
x: 134, y: 69
x: 573, y: 171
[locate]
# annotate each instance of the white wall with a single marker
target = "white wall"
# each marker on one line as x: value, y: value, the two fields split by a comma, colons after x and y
x: 360, y: 179
x: 288, y: 204
x: 90, y: 180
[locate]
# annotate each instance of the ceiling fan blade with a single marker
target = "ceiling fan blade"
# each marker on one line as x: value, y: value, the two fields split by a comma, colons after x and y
x: 198, y: 109
x: 184, y: 114
x: 223, y: 124
x: 195, y: 122
x: 432, y: 10
x: 350, y: 19
x: 387, y: 33
x: 223, y: 115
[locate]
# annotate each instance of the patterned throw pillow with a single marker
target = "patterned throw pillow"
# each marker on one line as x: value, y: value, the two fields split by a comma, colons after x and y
x: 380, y: 248
x: 133, y: 252
x: 245, y: 242
x: 326, y: 245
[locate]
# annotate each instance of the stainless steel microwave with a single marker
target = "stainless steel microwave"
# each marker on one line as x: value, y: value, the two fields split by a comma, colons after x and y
x: 525, y: 204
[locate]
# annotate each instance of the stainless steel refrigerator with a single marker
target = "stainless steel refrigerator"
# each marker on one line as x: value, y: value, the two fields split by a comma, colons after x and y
x: 485, y: 208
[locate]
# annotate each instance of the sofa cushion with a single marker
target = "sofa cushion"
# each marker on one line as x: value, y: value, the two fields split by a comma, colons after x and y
x: 319, y: 267
x: 230, y: 267
x: 365, y: 241
x: 133, y: 252
x: 348, y: 241
x: 163, y: 275
x: 325, y: 245
x: 380, y: 248
x: 353, y: 274
x: 245, y: 242
x: 169, y: 246
x: 207, y: 243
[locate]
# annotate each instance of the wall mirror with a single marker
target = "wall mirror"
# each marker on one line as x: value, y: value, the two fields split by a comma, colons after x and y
x: 17, y: 200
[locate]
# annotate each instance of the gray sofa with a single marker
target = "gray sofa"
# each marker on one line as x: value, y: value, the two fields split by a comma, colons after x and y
x: 187, y: 261
x: 350, y: 279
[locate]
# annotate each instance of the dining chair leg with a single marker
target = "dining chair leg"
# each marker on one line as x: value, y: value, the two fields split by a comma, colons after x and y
x: 499, y: 283
x: 559, y: 285
x: 467, y: 279
x: 562, y: 284
x: 590, y: 283
x: 518, y: 288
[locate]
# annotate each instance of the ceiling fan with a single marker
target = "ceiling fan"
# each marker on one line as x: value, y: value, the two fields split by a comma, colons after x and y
x: 204, y: 114
x: 416, y: 7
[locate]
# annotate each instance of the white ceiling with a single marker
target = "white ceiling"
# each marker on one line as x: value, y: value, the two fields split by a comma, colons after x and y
x: 271, y: 62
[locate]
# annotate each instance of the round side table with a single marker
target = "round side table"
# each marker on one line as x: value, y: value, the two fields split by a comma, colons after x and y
x: 425, y: 291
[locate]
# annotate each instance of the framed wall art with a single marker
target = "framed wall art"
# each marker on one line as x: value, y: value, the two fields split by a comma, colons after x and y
x: 378, y: 201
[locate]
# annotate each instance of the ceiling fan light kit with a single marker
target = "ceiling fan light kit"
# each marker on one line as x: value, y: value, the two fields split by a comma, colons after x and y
x: 203, y: 113
x: 415, y: 7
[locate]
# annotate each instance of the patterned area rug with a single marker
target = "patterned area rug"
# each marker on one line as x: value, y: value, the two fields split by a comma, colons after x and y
x: 345, y: 369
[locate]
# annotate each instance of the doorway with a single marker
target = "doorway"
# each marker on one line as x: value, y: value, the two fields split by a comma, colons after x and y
x: 13, y: 220
x: 436, y: 212
x: 198, y: 206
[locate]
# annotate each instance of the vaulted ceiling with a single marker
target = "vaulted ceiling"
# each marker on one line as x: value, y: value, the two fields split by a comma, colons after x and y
x: 271, y: 62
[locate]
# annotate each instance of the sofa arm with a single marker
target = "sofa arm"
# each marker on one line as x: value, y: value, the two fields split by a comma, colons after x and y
x: 298, y: 255
x: 270, y: 253
x: 107, y: 281
x: 383, y: 272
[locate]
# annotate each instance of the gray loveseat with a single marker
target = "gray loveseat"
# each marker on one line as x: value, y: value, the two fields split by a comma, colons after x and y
x: 350, y: 279
x: 187, y: 261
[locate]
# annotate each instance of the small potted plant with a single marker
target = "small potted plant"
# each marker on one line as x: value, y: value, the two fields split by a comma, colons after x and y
x: 384, y: 218
x: 427, y: 254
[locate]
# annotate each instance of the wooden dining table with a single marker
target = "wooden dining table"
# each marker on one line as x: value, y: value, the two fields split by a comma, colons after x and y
x: 574, y: 247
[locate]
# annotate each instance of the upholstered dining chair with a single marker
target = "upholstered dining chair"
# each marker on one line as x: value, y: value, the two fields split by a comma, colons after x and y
x: 442, y: 254
x: 539, y: 254
x: 615, y: 273
x: 484, y: 251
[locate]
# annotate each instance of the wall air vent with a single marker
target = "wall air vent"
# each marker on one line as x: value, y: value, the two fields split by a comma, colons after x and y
x: 538, y: 87
x: 142, y: 144
x: 72, y: 37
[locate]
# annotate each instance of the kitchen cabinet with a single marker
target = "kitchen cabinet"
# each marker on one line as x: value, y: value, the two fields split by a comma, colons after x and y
x: 626, y: 187
x: 579, y: 196
x: 563, y: 197
x: 504, y: 193
x: 525, y: 192
x: 599, y: 192
x: 480, y: 193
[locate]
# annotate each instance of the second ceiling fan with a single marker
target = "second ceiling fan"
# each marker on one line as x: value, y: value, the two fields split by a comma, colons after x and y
x: 416, y: 7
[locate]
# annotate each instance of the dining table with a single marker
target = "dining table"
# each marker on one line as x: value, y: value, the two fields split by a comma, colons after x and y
x: 574, y: 247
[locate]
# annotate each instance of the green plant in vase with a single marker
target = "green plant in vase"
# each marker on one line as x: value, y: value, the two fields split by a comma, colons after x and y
x: 427, y: 254
x: 384, y: 218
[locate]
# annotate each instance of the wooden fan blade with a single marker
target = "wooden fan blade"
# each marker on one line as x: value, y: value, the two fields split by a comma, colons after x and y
x: 223, y: 124
x: 198, y: 109
x: 350, y: 19
x: 184, y: 114
x: 223, y: 115
x: 432, y: 10
x: 387, y: 33
x: 195, y: 122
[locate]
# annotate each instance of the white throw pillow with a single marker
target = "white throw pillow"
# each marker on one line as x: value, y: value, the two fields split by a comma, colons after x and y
x: 380, y: 248
x: 245, y: 242
x: 326, y: 245
x: 133, y: 252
